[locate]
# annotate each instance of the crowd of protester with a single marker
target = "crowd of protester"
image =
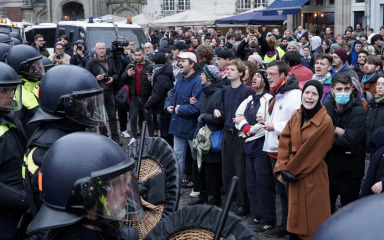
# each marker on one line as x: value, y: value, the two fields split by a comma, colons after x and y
x: 292, y: 114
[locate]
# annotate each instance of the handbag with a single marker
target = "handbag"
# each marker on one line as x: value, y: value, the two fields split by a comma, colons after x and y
x: 216, y: 138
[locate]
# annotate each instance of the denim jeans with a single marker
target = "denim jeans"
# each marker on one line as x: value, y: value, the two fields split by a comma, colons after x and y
x: 135, y: 105
x: 180, y: 148
x: 109, y: 101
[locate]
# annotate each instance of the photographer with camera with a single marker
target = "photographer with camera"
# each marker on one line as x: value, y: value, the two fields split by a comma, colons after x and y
x: 249, y: 43
x: 59, y: 57
x: 121, y: 60
x: 80, y: 54
x: 104, y: 70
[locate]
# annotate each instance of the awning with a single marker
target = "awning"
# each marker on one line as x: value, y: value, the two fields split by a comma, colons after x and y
x: 252, y: 18
x: 284, y: 7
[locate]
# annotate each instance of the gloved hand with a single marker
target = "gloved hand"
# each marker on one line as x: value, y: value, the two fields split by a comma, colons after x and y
x: 288, y: 176
x: 246, y: 129
x: 201, y: 118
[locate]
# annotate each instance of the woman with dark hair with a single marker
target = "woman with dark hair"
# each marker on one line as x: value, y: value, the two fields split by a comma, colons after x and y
x: 250, y: 117
x: 326, y: 46
x: 303, y: 144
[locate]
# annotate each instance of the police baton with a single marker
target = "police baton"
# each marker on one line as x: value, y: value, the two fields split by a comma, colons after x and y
x: 224, y: 214
x: 141, y: 146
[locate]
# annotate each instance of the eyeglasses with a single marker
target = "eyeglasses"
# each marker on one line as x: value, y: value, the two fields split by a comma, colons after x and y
x: 132, y: 44
x: 59, y: 48
x: 270, y: 74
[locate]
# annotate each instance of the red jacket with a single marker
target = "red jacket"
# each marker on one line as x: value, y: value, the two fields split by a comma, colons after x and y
x: 302, y: 73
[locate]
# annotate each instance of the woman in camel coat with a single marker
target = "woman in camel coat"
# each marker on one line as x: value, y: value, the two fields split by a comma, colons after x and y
x: 303, y: 144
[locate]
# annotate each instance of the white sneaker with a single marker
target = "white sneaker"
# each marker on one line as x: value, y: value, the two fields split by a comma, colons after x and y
x: 125, y: 134
x: 194, y: 194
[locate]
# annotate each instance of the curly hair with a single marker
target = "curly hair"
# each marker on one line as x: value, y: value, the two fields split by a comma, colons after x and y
x: 205, y: 52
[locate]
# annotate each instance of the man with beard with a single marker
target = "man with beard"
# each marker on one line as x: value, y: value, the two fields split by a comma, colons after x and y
x: 359, y: 66
x: 184, y: 114
x: 196, y: 41
x: 140, y: 89
x: 372, y: 65
x: 245, y: 47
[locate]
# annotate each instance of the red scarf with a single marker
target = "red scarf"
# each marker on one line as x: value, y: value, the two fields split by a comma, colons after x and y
x: 281, y: 83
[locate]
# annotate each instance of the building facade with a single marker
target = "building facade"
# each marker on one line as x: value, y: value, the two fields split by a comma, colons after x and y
x: 335, y: 13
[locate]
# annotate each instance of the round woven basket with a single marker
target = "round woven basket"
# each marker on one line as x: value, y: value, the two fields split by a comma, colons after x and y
x: 152, y: 213
x: 194, y: 234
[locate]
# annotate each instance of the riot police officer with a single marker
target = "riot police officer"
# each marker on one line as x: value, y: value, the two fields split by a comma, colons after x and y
x: 70, y: 100
x: 88, y: 184
x: 27, y: 62
x: 12, y: 148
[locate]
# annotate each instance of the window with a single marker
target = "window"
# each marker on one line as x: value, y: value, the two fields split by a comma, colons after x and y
x: 184, y: 5
x: 319, y: 2
x: 261, y: 3
x: 331, y: 1
x: 243, y: 5
x: 168, y: 5
x: 360, y: 1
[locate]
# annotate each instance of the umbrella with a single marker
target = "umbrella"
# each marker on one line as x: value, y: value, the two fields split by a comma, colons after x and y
x: 187, y: 18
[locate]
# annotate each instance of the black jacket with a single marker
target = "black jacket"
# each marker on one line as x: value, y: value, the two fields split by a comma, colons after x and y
x: 212, y: 100
x: 80, y: 61
x: 358, y: 71
x: 93, y: 65
x: 162, y: 82
x: 244, y: 50
x: 146, y: 88
x: 347, y: 155
x: 375, y: 117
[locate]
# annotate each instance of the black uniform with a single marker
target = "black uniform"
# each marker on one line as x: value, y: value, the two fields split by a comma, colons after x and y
x: 12, y: 148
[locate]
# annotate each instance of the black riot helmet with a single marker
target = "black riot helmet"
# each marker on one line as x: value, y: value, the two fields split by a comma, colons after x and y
x: 26, y: 61
x: 10, y: 89
x: 69, y: 91
x: 5, y: 38
x: 86, y: 173
x: 15, y: 35
x: 361, y: 219
x: 15, y: 41
x: 4, y: 48
x: 48, y: 64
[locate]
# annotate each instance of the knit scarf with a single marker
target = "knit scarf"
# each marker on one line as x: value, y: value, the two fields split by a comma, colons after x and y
x: 223, y: 72
x: 202, y: 144
x: 366, y: 78
x: 379, y: 98
x: 281, y: 83
x: 321, y: 79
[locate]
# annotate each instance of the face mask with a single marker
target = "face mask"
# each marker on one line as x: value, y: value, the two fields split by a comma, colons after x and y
x: 342, y: 98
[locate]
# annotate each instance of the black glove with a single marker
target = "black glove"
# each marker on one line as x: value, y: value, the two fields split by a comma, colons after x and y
x: 201, y: 118
x: 288, y: 176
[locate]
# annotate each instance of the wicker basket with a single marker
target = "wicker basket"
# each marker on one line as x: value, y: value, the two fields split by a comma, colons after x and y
x: 193, y: 234
x: 152, y: 213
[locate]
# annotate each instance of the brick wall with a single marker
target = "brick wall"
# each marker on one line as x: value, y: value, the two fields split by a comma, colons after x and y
x: 13, y: 13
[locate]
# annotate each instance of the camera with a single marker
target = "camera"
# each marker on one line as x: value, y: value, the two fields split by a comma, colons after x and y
x: 58, y: 57
x: 106, y: 78
x: 79, y: 47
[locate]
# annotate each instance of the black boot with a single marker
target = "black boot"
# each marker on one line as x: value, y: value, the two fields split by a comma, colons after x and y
x: 200, y: 200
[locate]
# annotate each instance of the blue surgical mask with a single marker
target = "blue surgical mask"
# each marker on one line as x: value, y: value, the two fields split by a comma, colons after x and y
x: 342, y: 98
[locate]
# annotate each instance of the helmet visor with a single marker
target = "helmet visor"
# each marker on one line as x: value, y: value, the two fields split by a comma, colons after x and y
x: 34, y: 68
x: 117, y: 198
x: 10, y: 97
x: 86, y: 108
